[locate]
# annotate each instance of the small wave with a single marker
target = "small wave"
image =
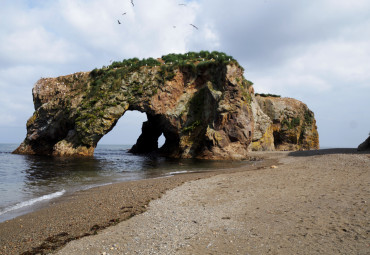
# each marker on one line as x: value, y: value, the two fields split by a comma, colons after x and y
x: 32, y: 201
x: 179, y: 172
x: 96, y: 185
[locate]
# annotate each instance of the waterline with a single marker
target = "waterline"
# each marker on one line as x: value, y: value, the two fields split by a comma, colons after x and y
x: 32, y: 202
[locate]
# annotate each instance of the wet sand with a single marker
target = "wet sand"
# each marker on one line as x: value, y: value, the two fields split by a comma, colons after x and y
x: 87, y: 212
x: 313, y: 202
x: 309, y: 203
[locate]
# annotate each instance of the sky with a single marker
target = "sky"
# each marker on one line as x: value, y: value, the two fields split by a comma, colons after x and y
x: 316, y: 51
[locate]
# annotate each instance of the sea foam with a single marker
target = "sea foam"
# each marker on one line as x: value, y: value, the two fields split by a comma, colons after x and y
x: 179, y: 172
x: 32, y: 201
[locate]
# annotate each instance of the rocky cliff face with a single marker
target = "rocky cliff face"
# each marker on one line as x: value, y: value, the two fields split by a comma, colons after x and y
x: 283, y: 124
x: 263, y: 139
x: 200, y: 102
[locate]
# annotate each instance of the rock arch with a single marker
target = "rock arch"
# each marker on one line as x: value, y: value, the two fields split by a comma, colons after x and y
x: 127, y: 130
x: 151, y: 130
x: 199, y: 101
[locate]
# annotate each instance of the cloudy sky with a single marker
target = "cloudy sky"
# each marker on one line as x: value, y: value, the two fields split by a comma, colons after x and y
x: 317, y: 51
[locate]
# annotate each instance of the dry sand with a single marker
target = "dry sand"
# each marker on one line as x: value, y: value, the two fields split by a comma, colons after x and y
x: 312, y: 203
x: 87, y: 212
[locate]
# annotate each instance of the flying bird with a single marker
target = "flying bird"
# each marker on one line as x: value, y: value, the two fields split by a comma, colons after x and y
x: 124, y: 13
x: 183, y: 4
x: 119, y: 22
x: 132, y: 1
x: 194, y: 26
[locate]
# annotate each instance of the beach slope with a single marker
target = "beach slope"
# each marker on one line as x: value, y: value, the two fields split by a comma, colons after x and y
x: 314, y: 202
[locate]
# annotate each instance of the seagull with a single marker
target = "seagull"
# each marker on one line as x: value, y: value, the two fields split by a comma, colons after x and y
x: 132, y: 1
x: 183, y: 4
x: 124, y: 13
x: 194, y: 26
x: 119, y: 22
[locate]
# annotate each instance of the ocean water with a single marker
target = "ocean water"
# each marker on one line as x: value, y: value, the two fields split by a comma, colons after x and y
x: 27, y: 181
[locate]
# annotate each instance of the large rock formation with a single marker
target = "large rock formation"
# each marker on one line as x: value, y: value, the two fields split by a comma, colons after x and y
x: 283, y: 124
x: 200, y: 102
x: 262, y: 139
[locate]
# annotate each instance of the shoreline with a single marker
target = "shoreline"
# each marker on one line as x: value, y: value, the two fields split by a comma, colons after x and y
x: 314, y: 202
x: 111, y: 164
x: 37, y: 203
x: 87, y: 212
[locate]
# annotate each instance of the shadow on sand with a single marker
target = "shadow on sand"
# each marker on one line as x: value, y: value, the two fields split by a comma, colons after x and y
x: 326, y: 152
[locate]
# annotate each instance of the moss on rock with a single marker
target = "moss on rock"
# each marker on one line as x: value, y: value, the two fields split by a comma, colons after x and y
x: 183, y: 96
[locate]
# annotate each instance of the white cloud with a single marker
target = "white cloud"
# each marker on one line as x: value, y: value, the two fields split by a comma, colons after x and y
x: 6, y: 119
x: 316, y: 51
x: 146, y: 30
x: 15, y: 110
x: 321, y: 68
x: 51, y: 38
x: 35, y: 45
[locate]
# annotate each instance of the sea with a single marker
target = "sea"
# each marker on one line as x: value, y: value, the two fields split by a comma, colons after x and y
x: 28, y: 182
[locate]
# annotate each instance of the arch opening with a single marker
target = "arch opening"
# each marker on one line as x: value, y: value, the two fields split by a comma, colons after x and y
x: 126, y: 130
x: 161, y: 141
x: 277, y: 139
x: 158, y: 136
x: 143, y: 132
x: 147, y: 142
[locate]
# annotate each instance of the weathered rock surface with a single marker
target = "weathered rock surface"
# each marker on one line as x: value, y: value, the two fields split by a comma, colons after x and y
x: 365, y: 146
x: 283, y: 124
x: 200, y: 102
x: 263, y: 139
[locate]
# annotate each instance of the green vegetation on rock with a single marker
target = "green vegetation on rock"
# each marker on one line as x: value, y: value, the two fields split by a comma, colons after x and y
x: 293, y: 123
x: 184, y: 96
x: 191, y: 127
x: 308, y: 117
x: 266, y: 95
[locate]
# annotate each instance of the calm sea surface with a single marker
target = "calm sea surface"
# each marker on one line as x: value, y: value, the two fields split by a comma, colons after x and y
x: 28, y: 181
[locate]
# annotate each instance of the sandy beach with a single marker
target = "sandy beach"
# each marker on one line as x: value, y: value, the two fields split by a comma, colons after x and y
x: 314, y: 202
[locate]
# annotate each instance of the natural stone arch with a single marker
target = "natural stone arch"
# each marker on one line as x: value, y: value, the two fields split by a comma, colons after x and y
x: 200, y: 103
x: 151, y: 130
x: 148, y: 140
x: 126, y: 131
